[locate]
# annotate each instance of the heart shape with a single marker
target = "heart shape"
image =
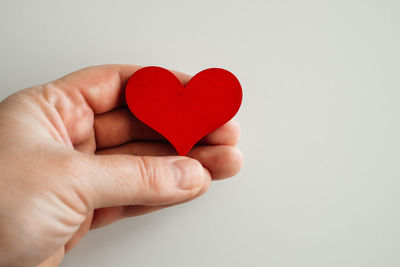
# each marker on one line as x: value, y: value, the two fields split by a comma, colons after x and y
x: 183, y: 114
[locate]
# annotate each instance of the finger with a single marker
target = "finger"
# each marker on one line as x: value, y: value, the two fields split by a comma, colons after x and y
x: 222, y: 161
x: 228, y: 134
x: 119, y: 126
x: 77, y: 97
x: 117, y: 180
x: 183, y: 77
x: 102, y: 86
x: 105, y: 216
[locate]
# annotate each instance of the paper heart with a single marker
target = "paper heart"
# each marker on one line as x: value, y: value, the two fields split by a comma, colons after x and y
x: 183, y: 114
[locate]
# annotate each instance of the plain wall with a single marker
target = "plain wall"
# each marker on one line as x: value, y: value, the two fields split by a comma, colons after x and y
x: 320, y: 123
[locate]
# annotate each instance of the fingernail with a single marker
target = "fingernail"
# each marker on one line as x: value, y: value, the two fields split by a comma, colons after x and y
x: 190, y: 176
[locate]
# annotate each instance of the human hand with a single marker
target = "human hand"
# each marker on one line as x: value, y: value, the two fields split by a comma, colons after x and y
x: 73, y: 158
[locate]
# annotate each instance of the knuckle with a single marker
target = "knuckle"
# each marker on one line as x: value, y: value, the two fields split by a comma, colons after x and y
x: 151, y: 174
x: 69, y: 104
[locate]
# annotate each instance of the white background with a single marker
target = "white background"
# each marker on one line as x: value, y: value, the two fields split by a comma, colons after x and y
x: 320, y: 123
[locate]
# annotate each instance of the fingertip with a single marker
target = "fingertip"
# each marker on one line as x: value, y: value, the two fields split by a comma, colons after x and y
x: 191, y: 174
x: 235, y: 159
x: 183, y: 77
x: 227, y: 134
x: 230, y: 162
x: 232, y: 132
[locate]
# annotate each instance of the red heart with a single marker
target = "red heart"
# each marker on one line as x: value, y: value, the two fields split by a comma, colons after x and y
x: 183, y: 114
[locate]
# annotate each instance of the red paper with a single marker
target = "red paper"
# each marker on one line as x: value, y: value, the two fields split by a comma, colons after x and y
x: 183, y: 114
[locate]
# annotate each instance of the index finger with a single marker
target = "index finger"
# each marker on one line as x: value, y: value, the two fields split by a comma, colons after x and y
x: 103, y: 86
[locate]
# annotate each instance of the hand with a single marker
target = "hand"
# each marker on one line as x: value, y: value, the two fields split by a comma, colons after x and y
x: 73, y: 158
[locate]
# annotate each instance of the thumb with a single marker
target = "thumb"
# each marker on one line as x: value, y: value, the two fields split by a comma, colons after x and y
x: 116, y: 180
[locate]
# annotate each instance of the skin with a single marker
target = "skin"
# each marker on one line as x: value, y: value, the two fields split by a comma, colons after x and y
x: 73, y: 158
